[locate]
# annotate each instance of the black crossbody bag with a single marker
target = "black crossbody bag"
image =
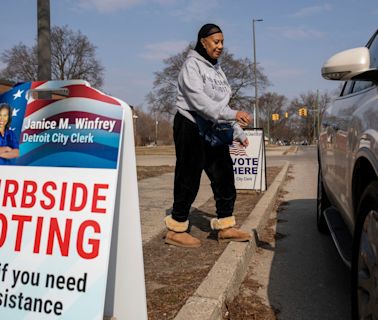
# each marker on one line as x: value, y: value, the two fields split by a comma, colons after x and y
x: 216, y: 134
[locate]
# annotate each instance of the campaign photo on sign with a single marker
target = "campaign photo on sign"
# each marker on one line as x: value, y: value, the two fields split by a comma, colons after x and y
x: 9, y: 146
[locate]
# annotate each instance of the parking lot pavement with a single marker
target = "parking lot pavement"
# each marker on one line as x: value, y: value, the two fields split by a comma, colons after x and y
x: 156, y: 160
x: 302, y: 275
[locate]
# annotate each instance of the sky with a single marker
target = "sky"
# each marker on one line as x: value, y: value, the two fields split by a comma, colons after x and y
x: 134, y: 36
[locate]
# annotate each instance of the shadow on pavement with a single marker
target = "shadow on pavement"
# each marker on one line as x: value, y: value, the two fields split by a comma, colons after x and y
x: 308, y: 279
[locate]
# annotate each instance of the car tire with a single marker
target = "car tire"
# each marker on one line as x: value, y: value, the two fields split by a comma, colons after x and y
x: 322, y: 204
x: 365, y: 256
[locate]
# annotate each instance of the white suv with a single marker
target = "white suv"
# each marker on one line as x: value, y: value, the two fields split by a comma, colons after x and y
x: 348, y: 171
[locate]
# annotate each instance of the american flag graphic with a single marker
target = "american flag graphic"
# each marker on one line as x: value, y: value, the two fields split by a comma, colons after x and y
x: 236, y: 149
x: 82, y: 102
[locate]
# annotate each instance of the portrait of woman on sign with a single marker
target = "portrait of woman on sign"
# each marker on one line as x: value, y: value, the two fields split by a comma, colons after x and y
x: 9, y: 147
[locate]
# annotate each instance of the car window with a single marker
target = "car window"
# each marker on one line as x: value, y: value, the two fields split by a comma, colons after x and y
x: 373, y: 48
x: 361, y: 85
x: 347, y: 88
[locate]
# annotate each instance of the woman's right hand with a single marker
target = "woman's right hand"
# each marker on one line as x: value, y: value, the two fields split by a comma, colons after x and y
x: 245, y: 143
x: 243, y: 118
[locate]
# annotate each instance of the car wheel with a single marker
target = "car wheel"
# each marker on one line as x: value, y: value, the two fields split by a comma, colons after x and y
x: 365, y: 257
x: 322, y: 204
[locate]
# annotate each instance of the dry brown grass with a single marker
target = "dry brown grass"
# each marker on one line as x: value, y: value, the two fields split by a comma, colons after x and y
x: 173, y: 274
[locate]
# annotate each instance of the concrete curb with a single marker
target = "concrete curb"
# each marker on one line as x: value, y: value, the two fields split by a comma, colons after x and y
x: 224, y: 279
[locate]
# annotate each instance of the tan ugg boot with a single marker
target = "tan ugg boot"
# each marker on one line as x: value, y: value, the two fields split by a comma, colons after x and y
x: 227, y: 232
x: 182, y: 239
x: 233, y: 234
x: 177, y: 234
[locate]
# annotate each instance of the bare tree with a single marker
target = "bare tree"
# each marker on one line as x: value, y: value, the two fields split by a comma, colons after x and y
x: 21, y: 63
x: 145, y: 127
x: 240, y: 76
x: 73, y: 57
x: 324, y: 100
x: 271, y: 103
x: 315, y: 103
x: 162, y: 98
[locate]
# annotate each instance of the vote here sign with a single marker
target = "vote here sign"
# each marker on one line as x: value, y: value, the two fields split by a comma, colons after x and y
x: 57, y: 202
x: 249, y: 163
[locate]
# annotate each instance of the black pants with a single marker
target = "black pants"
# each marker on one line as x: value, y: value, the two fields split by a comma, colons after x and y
x: 193, y: 155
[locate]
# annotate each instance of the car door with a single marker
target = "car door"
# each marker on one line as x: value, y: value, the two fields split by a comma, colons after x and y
x: 328, y: 142
x: 344, y: 130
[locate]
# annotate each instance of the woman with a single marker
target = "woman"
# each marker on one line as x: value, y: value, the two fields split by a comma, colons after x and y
x: 8, y: 141
x: 203, y: 91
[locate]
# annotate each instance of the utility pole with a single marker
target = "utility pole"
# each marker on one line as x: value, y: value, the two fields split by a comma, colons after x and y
x: 268, y: 127
x: 44, y: 40
x: 156, y: 130
x: 135, y: 118
x: 318, y: 109
x: 315, y: 114
x: 256, y: 106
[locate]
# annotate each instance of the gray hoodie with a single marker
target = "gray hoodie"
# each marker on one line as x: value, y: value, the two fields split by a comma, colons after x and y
x: 203, y: 87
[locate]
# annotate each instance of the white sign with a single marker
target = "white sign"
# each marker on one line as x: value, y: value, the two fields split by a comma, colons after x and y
x: 249, y: 163
x: 61, y: 207
x: 55, y: 239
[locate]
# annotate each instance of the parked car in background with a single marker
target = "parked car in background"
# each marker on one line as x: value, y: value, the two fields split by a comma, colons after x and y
x: 348, y: 171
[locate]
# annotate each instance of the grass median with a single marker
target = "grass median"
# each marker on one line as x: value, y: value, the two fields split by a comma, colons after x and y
x: 173, y: 274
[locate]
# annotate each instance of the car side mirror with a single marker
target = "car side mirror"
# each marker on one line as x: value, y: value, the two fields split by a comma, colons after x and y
x: 352, y: 64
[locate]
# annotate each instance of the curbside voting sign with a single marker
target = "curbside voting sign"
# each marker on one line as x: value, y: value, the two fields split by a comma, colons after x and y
x: 58, y: 200
x: 249, y: 163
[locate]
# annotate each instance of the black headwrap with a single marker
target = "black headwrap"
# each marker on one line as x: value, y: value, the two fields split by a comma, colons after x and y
x: 205, y: 31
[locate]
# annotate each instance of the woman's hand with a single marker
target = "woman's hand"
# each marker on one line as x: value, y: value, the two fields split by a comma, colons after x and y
x: 245, y: 143
x: 5, y: 149
x: 12, y: 153
x: 243, y: 118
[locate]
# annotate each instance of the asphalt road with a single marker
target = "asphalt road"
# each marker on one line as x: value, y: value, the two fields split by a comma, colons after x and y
x: 302, y: 275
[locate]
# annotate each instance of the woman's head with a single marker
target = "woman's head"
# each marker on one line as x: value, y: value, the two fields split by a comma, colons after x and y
x: 210, y: 42
x: 5, y: 116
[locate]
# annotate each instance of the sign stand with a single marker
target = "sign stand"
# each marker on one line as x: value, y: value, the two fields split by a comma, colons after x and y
x: 250, y: 163
x: 125, y: 292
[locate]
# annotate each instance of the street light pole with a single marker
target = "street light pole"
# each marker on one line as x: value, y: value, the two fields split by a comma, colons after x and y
x: 256, y: 105
x: 135, y: 118
x: 156, y: 130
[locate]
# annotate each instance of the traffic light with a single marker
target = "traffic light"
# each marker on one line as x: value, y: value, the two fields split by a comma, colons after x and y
x: 275, y: 116
x: 302, y: 112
